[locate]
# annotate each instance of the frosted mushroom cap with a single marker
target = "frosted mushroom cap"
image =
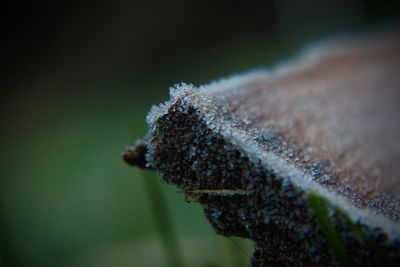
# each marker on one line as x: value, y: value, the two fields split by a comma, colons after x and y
x: 326, y: 122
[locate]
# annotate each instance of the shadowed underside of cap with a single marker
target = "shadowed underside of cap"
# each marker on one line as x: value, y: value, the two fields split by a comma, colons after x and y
x: 252, y: 147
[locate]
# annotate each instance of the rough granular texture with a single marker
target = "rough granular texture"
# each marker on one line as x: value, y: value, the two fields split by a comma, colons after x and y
x: 250, y: 149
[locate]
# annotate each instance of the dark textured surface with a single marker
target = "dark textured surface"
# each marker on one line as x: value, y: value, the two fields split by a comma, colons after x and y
x: 250, y: 149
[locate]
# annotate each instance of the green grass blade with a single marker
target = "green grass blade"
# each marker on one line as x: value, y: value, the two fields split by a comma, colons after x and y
x: 319, y: 206
x: 162, y: 219
x: 236, y: 252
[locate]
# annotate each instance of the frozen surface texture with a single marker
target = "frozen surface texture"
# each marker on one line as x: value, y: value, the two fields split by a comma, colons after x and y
x: 251, y: 147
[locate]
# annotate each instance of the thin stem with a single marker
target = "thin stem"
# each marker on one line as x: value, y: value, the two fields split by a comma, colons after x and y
x: 236, y: 252
x: 162, y: 219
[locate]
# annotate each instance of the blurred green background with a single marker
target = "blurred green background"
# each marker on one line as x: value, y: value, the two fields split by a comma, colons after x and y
x: 78, y: 80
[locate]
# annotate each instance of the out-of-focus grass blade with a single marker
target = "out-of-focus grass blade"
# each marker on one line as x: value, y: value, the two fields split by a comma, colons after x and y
x: 162, y: 219
x: 237, y: 252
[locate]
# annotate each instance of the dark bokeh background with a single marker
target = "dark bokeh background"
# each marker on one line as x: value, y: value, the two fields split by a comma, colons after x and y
x: 77, y: 80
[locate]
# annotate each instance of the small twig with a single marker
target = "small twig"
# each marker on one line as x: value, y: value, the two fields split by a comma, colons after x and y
x: 219, y: 192
x: 193, y: 195
x: 135, y: 155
